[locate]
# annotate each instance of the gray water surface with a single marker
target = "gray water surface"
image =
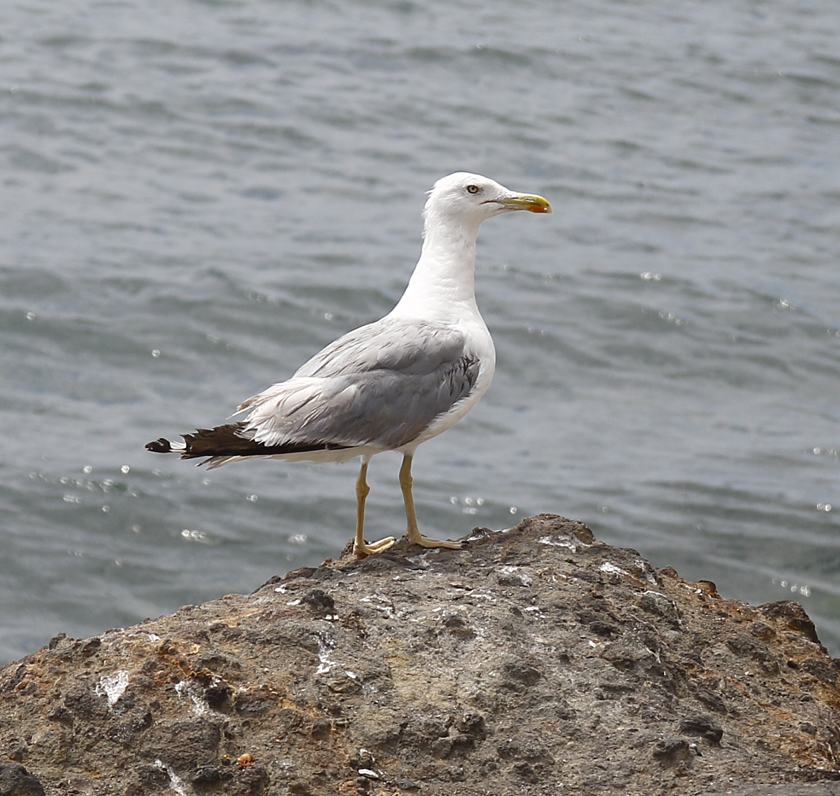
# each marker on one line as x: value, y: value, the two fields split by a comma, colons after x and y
x: 196, y: 196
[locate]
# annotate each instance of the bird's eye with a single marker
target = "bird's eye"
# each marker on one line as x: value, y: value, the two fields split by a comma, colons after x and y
x: 473, y: 189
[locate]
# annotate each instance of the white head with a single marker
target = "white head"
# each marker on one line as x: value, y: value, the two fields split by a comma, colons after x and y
x: 471, y: 198
x: 442, y: 285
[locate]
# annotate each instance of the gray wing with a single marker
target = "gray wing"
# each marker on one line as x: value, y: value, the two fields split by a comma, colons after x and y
x: 383, y: 384
x: 416, y: 347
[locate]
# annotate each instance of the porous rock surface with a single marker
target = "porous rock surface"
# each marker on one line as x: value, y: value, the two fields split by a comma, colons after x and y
x: 536, y: 661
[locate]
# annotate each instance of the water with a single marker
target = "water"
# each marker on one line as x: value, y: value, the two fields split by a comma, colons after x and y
x: 198, y: 195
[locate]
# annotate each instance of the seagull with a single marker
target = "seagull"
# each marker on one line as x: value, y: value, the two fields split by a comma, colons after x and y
x: 389, y: 385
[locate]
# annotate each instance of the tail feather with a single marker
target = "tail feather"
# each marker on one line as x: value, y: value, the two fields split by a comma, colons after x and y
x: 227, y: 441
x: 220, y: 441
x: 159, y: 446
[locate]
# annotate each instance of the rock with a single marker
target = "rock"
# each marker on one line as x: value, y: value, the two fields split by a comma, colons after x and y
x: 15, y: 780
x: 822, y: 789
x: 536, y: 661
x: 704, y: 726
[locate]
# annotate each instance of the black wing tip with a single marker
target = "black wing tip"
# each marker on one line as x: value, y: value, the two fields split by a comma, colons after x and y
x: 224, y: 442
x: 159, y: 446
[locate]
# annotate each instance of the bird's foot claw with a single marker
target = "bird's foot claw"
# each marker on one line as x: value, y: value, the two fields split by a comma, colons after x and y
x: 366, y: 549
x: 425, y: 541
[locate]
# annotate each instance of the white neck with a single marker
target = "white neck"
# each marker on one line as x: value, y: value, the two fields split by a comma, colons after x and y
x: 442, y: 286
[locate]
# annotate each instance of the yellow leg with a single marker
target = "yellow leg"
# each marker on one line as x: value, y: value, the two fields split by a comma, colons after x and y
x: 360, y: 547
x: 413, y: 532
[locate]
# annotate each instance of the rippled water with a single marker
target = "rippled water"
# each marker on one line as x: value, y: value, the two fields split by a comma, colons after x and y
x: 198, y: 195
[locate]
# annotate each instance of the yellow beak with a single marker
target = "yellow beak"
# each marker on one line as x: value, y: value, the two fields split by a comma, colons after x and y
x: 525, y: 201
